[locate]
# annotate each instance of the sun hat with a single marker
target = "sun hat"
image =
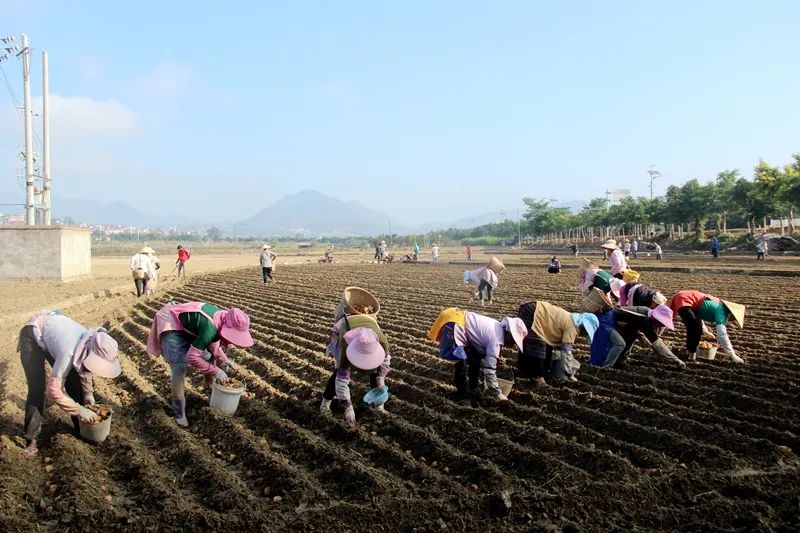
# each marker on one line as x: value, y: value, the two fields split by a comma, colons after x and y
x: 616, y: 285
x: 97, y: 352
x: 630, y: 276
x: 364, y: 349
x: 610, y: 244
x: 517, y: 328
x: 588, y: 321
x: 664, y: 315
x: 736, y: 310
x: 266, y: 247
x: 236, y: 328
x: 147, y: 250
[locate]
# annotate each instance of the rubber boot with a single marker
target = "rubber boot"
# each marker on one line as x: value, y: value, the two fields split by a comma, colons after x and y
x: 180, y: 412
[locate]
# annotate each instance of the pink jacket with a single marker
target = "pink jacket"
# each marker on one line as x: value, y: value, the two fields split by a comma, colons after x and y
x: 618, y: 262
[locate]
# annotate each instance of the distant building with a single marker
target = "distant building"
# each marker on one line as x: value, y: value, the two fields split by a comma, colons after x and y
x: 617, y: 196
x: 304, y: 245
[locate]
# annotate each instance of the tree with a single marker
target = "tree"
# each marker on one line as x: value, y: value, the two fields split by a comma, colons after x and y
x: 214, y: 234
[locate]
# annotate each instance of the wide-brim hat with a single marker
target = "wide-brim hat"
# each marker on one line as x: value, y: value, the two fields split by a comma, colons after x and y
x: 610, y: 244
x: 364, y: 350
x: 266, y: 247
x: 616, y: 285
x: 517, y: 328
x: 97, y: 352
x: 236, y: 328
x: 736, y: 310
x: 663, y: 314
x: 147, y: 250
x: 630, y: 276
x: 587, y: 321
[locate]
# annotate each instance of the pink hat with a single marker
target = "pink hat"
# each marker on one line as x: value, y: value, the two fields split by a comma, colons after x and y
x: 517, y: 328
x: 616, y: 286
x: 663, y: 314
x: 97, y: 353
x: 236, y: 328
x: 364, y: 349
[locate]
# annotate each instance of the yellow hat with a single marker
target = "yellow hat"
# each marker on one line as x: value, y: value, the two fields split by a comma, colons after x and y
x: 146, y: 250
x: 630, y: 276
x: 736, y: 310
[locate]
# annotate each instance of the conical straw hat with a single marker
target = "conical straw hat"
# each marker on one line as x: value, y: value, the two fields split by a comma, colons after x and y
x: 736, y: 310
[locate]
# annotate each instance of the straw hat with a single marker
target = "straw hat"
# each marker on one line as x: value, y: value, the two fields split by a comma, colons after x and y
x: 736, y: 310
x: 266, y: 247
x: 630, y: 276
x: 364, y: 350
x: 147, y: 250
x: 610, y: 244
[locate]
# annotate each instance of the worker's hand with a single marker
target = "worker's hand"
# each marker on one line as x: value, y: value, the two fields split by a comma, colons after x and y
x: 707, y: 335
x: 220, y: 375
x: 89, y: 399
x: 350, y: 414
x: 87, y: 415
x: 228, y: 366
x: 502, y: 397
x: 736, y: 359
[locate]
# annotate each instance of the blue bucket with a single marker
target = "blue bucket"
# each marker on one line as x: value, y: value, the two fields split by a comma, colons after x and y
x: 377, y: 396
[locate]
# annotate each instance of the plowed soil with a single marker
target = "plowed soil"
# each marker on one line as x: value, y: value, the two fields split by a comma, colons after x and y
x: 648, y: 447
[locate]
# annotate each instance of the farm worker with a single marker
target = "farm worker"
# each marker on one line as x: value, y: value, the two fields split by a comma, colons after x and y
x: 152, y: 281
x: 265, y: 259
x: 469, y: 253
x: 75, y: 355
x: 416, y: 249
x: 590, y: 276
x: 377, y: 252
x: 574, y: 249
x: 435, y: 252
x: 761, y: 249
x: 357, y: 343
x: 473, y: 341
x: 715, y: 247
x: 635, y: 248
x: 485, y: 279
x: 382, y: 251
x: 634, y: 293
x: 549, y: 327
x: 183, y: 256
x: 659, y: 254
x: 626, y: 248
x: 555, y: 266
x: 193, y: 333
x: 142, y: 268
x: 618, y: 262
x: 619, y: 328
x: 694, y: 307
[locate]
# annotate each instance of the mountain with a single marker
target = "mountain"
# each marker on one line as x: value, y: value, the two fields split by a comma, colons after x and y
x: 84, y: 211
x: 313, y: 214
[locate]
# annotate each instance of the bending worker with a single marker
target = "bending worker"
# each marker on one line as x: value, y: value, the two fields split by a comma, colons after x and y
x: 473, y: 341
x: 357, y: 343
x: 194, y: 333
x: 634, y: 293
x: 75, y: 354
x: 590, y: 276
x: 616, y: 257
x: 694, y: 307
x: 619, y: 328
x: 549, y: 327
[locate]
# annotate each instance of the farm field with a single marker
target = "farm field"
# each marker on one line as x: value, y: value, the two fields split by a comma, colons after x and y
x: 713, y: 447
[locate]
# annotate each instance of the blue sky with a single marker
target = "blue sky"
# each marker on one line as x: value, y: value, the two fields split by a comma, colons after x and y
x: 426, y: 110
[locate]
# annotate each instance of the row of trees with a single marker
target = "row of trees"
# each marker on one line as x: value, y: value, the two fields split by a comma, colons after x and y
x: 731, y: 200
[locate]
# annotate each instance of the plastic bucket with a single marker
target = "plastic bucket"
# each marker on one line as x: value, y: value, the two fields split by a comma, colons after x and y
x: 505, y: 386
x: 357, y: 296
x: 225, y: 399
x: 377, y: 396
x: 707, y: 353
x: 596, y: 302
x: 96, y: 433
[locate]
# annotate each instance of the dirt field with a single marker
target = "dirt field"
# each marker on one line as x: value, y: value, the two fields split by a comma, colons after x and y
x: 648, y: 447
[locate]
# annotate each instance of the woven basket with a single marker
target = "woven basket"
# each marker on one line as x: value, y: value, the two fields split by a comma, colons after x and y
x: 596, y: 302
x: 495, y: 265
x: 356, y: 296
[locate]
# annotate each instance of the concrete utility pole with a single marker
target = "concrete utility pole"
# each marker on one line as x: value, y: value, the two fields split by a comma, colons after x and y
x: 30, y: 218
x: 46, y: 140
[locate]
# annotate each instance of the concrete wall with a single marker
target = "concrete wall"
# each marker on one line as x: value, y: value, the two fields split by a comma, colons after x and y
x: 45, y: 252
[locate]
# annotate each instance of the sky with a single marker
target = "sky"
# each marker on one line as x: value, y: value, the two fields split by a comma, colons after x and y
x: 425, y: 110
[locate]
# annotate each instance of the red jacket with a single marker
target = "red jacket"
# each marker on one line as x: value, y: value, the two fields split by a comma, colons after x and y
x: 693, y: 299
x: 184, y: 255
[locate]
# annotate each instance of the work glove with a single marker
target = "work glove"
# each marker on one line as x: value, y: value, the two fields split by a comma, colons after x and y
x: 87, y: 415
x: 220, y: 375
x: 228, y: 366
x: 350, y: 414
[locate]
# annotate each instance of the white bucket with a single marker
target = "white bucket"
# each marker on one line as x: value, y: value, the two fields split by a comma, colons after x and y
x: 225, y: 399
x: 707, y: 353
x: 505, y: 386
x: 96, y: 433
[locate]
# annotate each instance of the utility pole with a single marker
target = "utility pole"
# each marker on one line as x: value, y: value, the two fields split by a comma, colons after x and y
x: 390, y: 231
x: 26, y: 94
x: 46, y: 140
x: 519, y: 230
x: 653, y: 175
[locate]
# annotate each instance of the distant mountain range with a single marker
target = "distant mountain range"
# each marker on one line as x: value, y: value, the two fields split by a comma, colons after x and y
x: 306, y: 214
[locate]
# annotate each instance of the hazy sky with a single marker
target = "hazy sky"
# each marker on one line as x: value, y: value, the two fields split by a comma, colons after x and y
x: 221, y: 108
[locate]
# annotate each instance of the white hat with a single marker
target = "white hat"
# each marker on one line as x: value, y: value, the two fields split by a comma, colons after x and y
x: 610, y: 244
x: 266, y: 247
